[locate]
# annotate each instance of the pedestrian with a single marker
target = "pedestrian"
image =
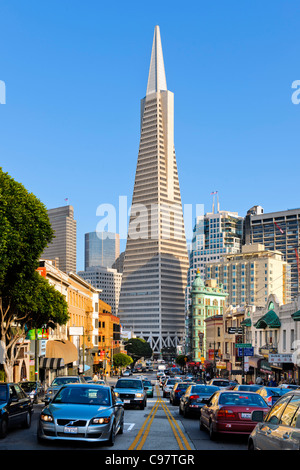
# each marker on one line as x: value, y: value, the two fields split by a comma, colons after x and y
x: 95, y: 377
x: 259, y: 380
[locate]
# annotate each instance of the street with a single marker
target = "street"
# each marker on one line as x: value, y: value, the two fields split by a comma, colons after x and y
x: 159, y: 427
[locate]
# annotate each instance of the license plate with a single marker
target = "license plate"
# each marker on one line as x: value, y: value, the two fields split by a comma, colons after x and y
x: 246, y: 415
x: 126, y: 401
x: 69, y: 430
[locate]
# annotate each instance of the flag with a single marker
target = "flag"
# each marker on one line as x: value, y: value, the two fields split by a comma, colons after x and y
x: 215, y: 192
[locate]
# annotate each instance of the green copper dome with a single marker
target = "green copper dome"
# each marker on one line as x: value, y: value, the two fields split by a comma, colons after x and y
x: 198, y: 282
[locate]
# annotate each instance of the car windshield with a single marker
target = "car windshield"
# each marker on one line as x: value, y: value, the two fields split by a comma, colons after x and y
x: 135, y: 384
x: 171, y: 382
x: 28, y: 386
x: 182, y: 386
x: 205, y: 389
x: 83, y: 396
x: 64, y: 380
x: 242, y: 399
x: 221, y: 383
x: 249, y: 388
x: 147, y: 383
x: 3, y: 392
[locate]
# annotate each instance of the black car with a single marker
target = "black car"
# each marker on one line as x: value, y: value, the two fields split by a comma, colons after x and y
x: 194, y: 398
x: 34, y: 390
x: 177, y: 392
x: 15, y: 407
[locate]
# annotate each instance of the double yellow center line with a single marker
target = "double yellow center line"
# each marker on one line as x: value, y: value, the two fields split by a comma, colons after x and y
x: 142, y: 435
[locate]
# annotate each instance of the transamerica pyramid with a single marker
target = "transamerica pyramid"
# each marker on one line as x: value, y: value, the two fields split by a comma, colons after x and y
x: 152, y: 301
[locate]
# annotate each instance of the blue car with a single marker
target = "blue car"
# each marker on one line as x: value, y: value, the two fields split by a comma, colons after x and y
x: 271, y: 394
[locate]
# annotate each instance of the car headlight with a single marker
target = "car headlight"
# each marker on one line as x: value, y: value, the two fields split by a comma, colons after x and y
x: 100, y: 420
x: 47, y: 418
x: 139, y: 395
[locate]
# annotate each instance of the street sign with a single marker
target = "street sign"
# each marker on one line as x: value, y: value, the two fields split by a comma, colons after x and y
x: 243, y: 345
x: 235, y: 330
x: 245, y: 352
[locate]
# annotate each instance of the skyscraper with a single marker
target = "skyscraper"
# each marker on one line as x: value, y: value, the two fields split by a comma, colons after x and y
x: 156, y: 259
x: 277, y: 231
x: 63, y: 246
x: 101, y: 249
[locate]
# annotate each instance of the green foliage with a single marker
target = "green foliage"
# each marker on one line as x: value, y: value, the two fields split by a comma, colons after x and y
x: 137, y: 348
x: 25, y: 231
x: 121, y: 360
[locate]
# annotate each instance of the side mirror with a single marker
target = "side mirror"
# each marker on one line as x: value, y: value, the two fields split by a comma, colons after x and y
x: 47, y: 401
x: 257, y: 416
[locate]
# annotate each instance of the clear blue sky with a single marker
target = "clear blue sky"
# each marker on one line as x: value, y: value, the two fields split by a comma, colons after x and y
x: 75, y: 73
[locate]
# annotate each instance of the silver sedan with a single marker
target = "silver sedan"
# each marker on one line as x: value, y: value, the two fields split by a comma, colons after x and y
x: 82, y: 412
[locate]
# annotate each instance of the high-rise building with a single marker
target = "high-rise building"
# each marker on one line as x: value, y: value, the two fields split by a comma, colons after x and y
x: 108, y: 280
x: 63, y: 246
x: 277, y: 231
x: 251, y: 276
x: 101, y: 249
x: 156, y: 260
x: 214, y: 235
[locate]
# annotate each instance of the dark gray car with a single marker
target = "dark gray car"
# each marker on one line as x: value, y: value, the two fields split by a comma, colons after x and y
x: 280, y: 430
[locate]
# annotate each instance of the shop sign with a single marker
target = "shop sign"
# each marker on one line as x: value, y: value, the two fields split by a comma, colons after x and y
x: 280, y: 358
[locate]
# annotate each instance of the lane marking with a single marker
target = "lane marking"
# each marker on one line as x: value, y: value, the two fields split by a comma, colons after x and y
x: 144, y: 431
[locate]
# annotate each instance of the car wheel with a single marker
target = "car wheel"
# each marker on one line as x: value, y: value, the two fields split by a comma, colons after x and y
x: 27, y: 420
x: 212, y: 433
x: 112, y: 437
x: 121, y: 429
x: 250, y: 445
x: 201, y: 425
x: 3, y: 427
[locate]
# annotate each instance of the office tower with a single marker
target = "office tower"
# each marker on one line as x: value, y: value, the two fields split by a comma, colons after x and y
x: 63, y: 246
x: 101, y: 249
x: 156, y: 260
x: 106, y: 279
x: 251, y: 276
x: 214, y: 235
x: 276, y: 231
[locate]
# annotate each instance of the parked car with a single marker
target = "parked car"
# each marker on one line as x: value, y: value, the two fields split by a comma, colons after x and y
x: 34, y: 390
x: 83, y: 412
x: 177, y: 391
x: 221, y: 383
x: 15, y: 407
x: 149, y: 387
x: 247, y: 387
x: 194, y: 398
x: 271, y: 394
x: 59, y: 381
x: 131, y: 392
x: 168, y: 387
x: 280, y: 428
x: 230, y: 412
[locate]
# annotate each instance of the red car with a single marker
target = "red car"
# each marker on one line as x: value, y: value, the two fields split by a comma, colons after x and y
x: 229, y: 412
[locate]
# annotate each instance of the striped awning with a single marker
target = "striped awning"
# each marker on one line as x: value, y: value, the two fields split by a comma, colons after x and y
x: 51, y: 363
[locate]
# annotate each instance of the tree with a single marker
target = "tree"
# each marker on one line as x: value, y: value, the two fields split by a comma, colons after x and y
x: 121, y: 360
x: 26, y: 299
x: 137, y: 348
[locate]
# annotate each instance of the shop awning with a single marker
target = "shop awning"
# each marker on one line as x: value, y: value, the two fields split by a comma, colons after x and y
x: 296, y: 316
x: 63, y: 349
x: 246, y: 322
x: 51, y: 363
x: 270, y: 319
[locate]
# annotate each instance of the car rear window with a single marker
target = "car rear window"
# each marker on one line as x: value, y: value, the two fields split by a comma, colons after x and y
x: 182, y: 386
x: 241, y: 399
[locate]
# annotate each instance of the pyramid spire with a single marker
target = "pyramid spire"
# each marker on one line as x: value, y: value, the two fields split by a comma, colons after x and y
x: 157, y: 77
